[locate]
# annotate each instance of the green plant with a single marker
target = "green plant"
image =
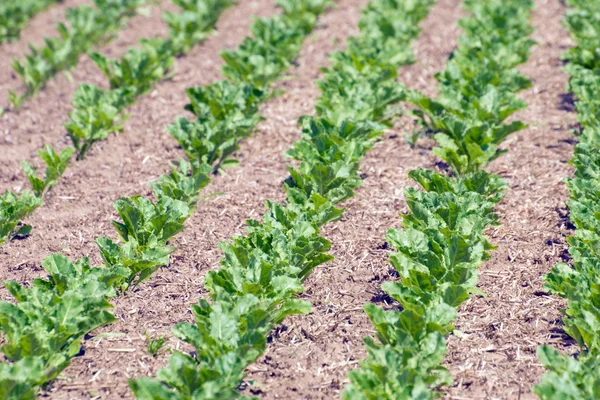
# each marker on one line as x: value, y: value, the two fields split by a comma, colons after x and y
x: 154, y: 346
x: 56, y: 163
x: 86, y: 27
x: 15, y: 15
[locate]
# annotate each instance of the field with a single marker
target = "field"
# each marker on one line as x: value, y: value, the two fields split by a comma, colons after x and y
x: 498, y: 328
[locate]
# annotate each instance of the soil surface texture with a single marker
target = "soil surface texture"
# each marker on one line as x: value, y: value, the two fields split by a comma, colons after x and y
x: 309, y: 356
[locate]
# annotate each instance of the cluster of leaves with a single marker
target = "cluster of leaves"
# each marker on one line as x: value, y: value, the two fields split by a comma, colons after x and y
x: 442, y: 242
x: 16, y: 206
x: 14, y: 15
x: 477, y: 90
x: 86, y: 26
x: 579, y: 283
x: 227, y: 111
x: 97, y: 112
x: 192, y: 25
x: 261, y: 273
x: 57, y: 312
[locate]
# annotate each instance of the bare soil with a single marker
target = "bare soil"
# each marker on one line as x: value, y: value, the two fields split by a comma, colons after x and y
x: 309, y: 356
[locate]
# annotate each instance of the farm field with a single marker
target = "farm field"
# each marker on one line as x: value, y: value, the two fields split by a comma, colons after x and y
x: 309, y: 354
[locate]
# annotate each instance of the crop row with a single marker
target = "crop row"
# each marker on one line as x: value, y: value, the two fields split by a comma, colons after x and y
x: 579, y: 377
x: 262, y: 272
x: 97, y: 113
x: 15, y: 14
x: 86, y: 27
x: 442, y: 240
x: 44, y: 329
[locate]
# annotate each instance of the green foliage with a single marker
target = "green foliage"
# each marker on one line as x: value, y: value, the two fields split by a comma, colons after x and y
x: 154, y: 346
x: 579, y: 283
x: 146, y: 226
x: 583, y: 22
x: 13, y: 208
x: 477, y: 90
x: 262, y: 273
x: 226, y: 114
x: 43, y: 330
x: 14, y: 16
x: 96, y: 114
x: 442, y: 242
x: 193, y: 24
x: 569, y: 378
x: 56, y: 163
x: 86, y: 27
x: 144, y: 231
x: 139, y: 68
x: 276, y: 41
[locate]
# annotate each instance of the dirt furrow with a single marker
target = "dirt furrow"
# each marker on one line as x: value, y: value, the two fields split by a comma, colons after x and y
x: 311, y: 355
x: 495, y: 358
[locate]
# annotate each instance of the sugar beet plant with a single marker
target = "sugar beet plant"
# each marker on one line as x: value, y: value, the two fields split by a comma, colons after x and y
x: 86, y: 27
x: 44, y: 329
x: 442, y: 242
x: 261, y: 273
x: 579, y: 377
x: 16, y: 206
x: 15, y: 14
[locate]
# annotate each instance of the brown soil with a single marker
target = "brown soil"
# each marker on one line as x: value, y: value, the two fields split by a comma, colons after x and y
x: 310, y: 355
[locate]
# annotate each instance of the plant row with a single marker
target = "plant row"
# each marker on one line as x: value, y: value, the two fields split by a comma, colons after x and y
x: 262, y: 273
x: 86, y: 27
x: 98, y: 112
x: 44, y: 328
x: 15, y: 14
x: 442, y: 241
x: 579, y: 377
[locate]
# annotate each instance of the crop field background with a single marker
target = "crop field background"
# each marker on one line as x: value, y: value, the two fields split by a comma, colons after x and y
x: 308, y: 355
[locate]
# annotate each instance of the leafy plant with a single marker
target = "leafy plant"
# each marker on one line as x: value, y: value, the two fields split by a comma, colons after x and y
x: 442, y: 239
x: 261, y: 273
x: 194, y: 23
x: 577, y: 377
x: 154, y: 346
x: 14, y: 16
x: 477, y: 90
x: 139, y: 68
x: 13, y: 208
x: 86, y: 27
x: 56, y: 163
x: 96, y: 114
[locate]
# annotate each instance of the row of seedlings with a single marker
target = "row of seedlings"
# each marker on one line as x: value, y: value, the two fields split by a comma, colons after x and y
x: 98, y: 113
x: 44, y: 328
x: 262, y: 273
x: 86, y: 27
x: 578, y: 377
x: 15, y: 15
x: 442, y: 240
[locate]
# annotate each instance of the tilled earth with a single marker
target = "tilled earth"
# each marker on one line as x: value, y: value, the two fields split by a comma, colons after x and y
x: 309, y: 356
